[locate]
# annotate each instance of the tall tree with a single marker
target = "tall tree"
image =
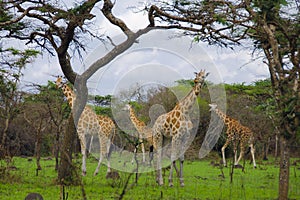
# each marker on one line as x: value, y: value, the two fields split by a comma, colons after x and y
x: 273, y: 26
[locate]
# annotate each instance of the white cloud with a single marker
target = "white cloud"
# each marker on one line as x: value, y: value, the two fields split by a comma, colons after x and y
x: 41, y: 70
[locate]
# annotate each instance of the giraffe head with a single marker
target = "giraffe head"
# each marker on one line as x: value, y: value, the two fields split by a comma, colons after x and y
x: 127, y: 107
x: 213, y: 107
x: 66, y: 90
x: 59, y: 82
x: 200, y: 77
x: 199, y: 80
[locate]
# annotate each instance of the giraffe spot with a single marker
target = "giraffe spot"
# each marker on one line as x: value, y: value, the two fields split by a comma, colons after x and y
x: 168, y: 120
x: 172, y: 114
x: 174, y: 132
x: 174, y: 120
x: 166, y: 127
x: 177, y: 114
x: 177, y: 125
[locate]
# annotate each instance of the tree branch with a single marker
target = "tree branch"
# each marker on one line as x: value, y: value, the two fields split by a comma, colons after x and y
x: 107, y: 12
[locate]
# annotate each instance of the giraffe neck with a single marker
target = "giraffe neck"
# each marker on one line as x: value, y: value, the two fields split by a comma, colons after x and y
x: 137, y: 123
x: 188, y: 101
x: 223, y: 116
x: 68, y: 92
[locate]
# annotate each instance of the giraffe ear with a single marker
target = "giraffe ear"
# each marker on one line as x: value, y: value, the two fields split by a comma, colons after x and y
x: 59, y: 78
x: 206, y: 74
x: 212, y: 106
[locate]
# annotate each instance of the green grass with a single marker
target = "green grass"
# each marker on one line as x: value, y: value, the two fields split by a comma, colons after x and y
x: 202, y: 181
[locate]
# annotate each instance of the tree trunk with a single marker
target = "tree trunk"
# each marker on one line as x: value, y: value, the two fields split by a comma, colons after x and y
x: 38, y: 153
x: 266, y: 149
x: 38, y: 146
x: 56, y: 148
x: 3, y: 149
x: 284, y: 169
x: 65, y: 170
x: 276, y: 147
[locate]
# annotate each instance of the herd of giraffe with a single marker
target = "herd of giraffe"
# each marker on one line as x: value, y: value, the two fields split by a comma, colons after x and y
x: 174, y: 125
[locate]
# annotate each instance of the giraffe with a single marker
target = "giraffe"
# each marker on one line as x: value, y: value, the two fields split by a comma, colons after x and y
x: 176, y: 125
x: 90, y: 122
x: 143, y: 131
x: 236, y: 132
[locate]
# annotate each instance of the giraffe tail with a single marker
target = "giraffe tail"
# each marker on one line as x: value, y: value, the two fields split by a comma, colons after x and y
x: 111, y: 142
x: 113, y: 134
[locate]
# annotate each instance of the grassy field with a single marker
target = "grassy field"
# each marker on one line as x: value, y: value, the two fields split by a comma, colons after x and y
x: 202, y: 181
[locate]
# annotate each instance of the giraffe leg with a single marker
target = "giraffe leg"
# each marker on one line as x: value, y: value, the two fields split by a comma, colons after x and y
x: 223, y: 151
x: 91, y: 142
x: 159, y: 142
x: 143, y: 150
x: 103, y: 143
x: 242, y: 149
x: 159, y: 178
x: 134, y: 152
x: 173, y: 164
x: 174, y: 147
x: 81, y: 136
x: 252, y: 153
x: 99, y: 164
x: 181, y: 158
x: 108, y: 155
x: 176, y: 170
x: 83, y: 163
x: 235, y: 151
x: 151, y: 155
x: 181, y: 171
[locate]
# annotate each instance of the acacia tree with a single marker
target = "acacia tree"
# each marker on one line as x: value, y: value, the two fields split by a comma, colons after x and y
x: 273, y: 27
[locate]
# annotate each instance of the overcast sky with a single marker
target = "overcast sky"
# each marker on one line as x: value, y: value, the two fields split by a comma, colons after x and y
x: 155, y: 59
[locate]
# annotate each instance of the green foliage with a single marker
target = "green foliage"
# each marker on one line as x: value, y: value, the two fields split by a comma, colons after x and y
x: 258, y: 88
x: 103, y: 100
x: 137, y: 106
x: 139, y: 109
x: 103, y: 111
x: 13, y: 60
x: 102, y: 105
x: 269, y: 6
x: 185, y: 82
x: 182, y: 2
x: 6, y: 17
x: 220, y: 19
x: 50, y: 94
